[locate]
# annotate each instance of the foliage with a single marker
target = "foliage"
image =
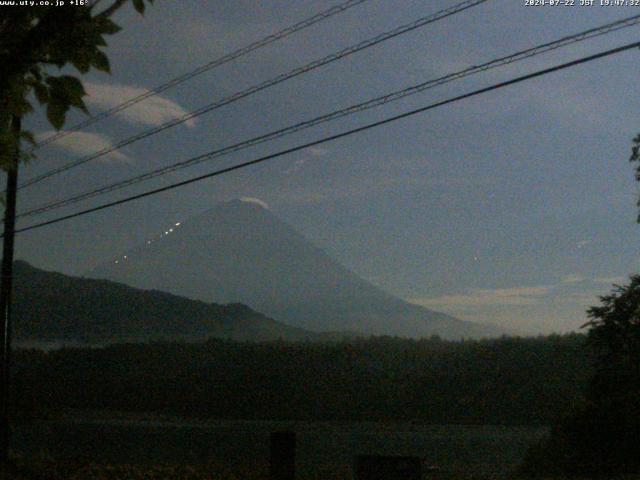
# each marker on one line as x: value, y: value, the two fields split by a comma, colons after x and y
x: 614, y: 331
x: 36, y: 39
x: 601, y: 439
x: 635, y: 158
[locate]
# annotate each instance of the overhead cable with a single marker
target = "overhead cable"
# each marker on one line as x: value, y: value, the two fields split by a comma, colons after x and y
x: 363, y: 106
x: 334, y: 137
x: 259, y: 87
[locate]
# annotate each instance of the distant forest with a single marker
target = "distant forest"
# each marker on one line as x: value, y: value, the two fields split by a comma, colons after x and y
x: 502, y: 381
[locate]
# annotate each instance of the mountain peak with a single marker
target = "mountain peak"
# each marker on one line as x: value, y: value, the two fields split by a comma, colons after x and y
x: 241, y: 251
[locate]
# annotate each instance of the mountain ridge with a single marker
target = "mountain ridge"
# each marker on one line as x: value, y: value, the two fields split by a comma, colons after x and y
x: 240, y: 251
x: 51, y: 306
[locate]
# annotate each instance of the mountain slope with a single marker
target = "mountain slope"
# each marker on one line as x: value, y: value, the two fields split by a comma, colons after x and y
x: 241, y: 252
x: 51, y: 306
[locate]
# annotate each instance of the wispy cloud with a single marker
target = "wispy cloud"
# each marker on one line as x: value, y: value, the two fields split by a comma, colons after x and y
x: 573, y: 278
x: 611, y: 280
x: 298, y: 165
x: 295, y: 167
x: 317, y: 151
x: 584, y: 298
x: 154, y: 110
x: 552, y: 307
x: 573, y: 287
x: 85, y: 143
x: 517, y: 296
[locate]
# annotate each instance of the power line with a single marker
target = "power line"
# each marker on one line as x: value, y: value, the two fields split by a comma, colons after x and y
x: 262, y: 86
x: 379, y: 123
x: 307, y: 22
x: 394, y: 96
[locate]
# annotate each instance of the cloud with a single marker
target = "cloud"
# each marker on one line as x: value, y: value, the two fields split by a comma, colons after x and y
x: 84, y: 143
x: 573, y: 278
x: 584, y: 298
x: 548, y: 308
x: 153, y: 111
x: 317, y: 151
x: 297, y: 166
x: 517, y: 296
x: 611, y: 280
x: 574, y: 288
x: 255, y: 201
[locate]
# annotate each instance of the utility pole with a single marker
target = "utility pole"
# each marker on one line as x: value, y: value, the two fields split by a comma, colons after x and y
x: 6, y: 284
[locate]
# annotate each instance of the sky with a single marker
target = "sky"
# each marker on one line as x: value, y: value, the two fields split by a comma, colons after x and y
x: 516, y: 207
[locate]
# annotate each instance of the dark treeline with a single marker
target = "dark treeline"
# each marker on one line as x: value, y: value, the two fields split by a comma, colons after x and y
x: 502, y: 381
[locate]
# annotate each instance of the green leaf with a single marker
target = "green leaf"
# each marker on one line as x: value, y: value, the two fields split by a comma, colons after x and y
x: 71, y: 86
x: 82, y: 63
x: 65, y: 91
x: 76, y: 91
x: 139, y: 6
x: 106, y: 26
x: 99, y: 41
x: 56, y: 114
x: 80, y: 105
x: 101, y: 62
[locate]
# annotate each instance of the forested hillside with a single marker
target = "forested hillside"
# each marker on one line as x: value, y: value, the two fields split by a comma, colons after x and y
x: 503, y: 381
x: 50, y: 306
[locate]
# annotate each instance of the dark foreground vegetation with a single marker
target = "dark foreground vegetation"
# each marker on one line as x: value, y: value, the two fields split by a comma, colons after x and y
x: 504, y: 381
x: 600, y: 438
x: 586, y: 387
x: 50, y: 306
x: 55, y: 470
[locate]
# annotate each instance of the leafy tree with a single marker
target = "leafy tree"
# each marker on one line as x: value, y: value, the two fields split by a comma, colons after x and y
x: 614, y: 336
x: 601, y: 438
x: 36, y: 40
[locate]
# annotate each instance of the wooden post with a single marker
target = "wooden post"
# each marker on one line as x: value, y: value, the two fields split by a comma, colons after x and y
x: 282, y: 464
x: 6, y: 283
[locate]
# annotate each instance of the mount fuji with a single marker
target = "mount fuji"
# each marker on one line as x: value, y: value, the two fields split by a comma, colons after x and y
x: 241, y: 252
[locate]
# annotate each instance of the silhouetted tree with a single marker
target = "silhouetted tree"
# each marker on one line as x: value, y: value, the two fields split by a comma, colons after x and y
x: 601, y: 439
x: 635, y: 158
x: 614, y: 391
x: 34, y: 40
